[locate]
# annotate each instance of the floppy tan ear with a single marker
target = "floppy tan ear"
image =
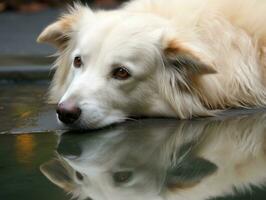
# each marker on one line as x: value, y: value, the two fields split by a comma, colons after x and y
x: 188, y: 173
x: 57, y: 173
x: 183, y: 70
x: 59, y: 32
x: 185, y: 60
x: 56, y: 33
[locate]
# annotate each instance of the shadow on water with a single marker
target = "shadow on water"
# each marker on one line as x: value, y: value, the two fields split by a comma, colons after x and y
x: 165, y: 159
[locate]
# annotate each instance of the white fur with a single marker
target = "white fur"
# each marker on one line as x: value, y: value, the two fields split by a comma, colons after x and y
x: 227, y: 36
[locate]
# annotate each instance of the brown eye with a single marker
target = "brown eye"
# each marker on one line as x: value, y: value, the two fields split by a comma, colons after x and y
x: 77, y: 62
x: 79, y: 176
x: 122, y: 177
x: 121, y: 73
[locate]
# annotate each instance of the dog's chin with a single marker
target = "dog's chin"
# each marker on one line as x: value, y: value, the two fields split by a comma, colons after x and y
x: 83, y: 125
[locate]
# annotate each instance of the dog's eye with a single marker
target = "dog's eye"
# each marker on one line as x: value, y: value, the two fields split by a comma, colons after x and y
x: 77, y: 62
x: 121, y: 73
x: 122, y: 177
x: 79, y: 176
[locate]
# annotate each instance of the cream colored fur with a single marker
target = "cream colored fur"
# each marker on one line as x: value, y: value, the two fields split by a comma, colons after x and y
x: 224, y: 40
x: 231, y: 34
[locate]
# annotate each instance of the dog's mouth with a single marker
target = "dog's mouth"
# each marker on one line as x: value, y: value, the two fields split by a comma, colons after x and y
x: 83, y: 123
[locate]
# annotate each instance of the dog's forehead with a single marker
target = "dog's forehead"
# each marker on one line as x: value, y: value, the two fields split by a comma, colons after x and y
x: 115, y: 34
x: 92, y: 35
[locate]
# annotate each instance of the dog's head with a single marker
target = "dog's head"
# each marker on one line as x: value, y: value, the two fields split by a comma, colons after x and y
x: 115, y: 64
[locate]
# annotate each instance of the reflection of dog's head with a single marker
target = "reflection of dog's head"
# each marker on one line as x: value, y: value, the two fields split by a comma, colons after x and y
x: 188, y: 160
x: 126, y: 165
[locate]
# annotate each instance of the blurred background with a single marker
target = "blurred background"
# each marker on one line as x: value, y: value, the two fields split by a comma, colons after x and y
x: 21, y: 23
x: 39, y: 5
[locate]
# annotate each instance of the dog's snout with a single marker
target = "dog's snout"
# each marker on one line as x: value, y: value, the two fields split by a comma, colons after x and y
x: 68, y: 112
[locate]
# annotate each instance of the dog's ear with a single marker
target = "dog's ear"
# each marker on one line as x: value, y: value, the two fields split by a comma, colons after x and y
x: 57, y: 173
x: 59, y: 32
x: 181, y: 73
x: 189, y: 172
x: 184, y: 60
x: 187, y: 169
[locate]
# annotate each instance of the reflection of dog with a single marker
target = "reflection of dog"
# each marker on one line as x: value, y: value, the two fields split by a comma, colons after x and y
x: 171, y: 160
x: 179, y: 59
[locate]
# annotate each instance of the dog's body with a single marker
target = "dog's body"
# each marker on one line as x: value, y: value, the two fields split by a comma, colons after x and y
x: 180, y: 58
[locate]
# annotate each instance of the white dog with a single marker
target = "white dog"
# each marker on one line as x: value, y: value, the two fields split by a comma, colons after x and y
x: 174, y: 58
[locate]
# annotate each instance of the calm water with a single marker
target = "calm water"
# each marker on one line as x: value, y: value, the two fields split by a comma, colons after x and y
x: 151, y: 159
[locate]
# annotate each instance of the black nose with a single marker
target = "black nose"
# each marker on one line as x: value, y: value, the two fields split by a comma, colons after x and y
x: 68, y: 112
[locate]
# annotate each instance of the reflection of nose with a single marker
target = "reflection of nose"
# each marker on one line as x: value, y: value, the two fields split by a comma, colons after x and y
x: 68, y: 112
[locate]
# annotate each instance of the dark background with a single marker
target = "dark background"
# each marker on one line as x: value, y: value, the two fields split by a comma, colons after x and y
x: 38, y: 5
x: 21, y: 23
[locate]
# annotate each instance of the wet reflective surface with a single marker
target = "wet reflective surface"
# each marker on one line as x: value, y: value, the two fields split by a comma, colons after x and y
x: 20, y: 159
x: 165, y: 159
x: 23, y: 108
x: 220, y: 158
